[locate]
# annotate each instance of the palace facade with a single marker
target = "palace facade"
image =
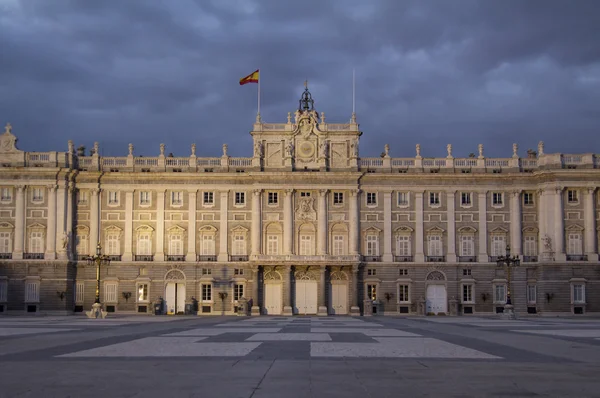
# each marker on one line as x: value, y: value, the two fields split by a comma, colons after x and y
x: 304, y: 226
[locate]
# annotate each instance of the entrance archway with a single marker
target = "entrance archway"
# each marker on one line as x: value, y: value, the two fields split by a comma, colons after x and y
x: 175, y: 292
x: 436, y: 294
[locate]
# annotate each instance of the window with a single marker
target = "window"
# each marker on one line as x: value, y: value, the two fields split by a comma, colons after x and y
x: 110, y: 292
x: 500, y: 294
x: 5, y: 242
x: 497, y: 199
x: 467, y: 296
x: 37, y: 195
x: 32, y: 292
x: 142, y: 296
x: 528, y: 199
x: 371, y: 272
x: 239, y: 245
x: 466, y: 271
x: 372, y: 292
x: 208, y: 199
x: 176, y: 245
x: 531, y: 294
x: 144, y: 246
x: 206, y: 271
x: 466, y: 199
x: 403, y: 296
x: 176, y: 198
x: 112, y: 245
x: 572, y: 196
x: 338, y: 245
x: 403, y: 245
x: 81, y: 242
x: 206, y: 292
x: 305, y: 194
x: 238, y: 291
x: 435, y: 245
x: 434, y: 198
x: 403, y: 199
x: 371, y: 199
x: 272, y: 245
x: 79, y: 292
x: 306, y: 245
x: 238, y: 271
x: 145, y: 198
x: 113, y: 198
x: 6, y: 194
x: 272, y: 198
x: 36, y: 242
x: 530, y: 246
x: 208, y: 245
x: 338, y: 198
x: 240, y: 198
x: 467, y: 245
x: 574, y: 245
x: 403, y: 272
x: 498, y: 245
x: 3, y: 290
x: 372, y: 245
x: 82, y: 197
x: 578, y: 293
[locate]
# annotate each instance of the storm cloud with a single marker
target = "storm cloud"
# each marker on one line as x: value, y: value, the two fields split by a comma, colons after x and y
x: 432, y: 72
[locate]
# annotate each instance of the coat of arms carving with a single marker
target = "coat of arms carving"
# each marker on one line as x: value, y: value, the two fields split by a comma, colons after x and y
x: 306, y: 209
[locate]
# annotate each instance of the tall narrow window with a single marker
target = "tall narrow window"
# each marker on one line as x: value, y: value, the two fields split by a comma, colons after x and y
x: 465, y: 199
x: 32, y: 292
x: 208, y: 245
x: 531, y: 294
x: 238, y: 291
x: 272, y: 245
x: 113, y: 245
x: 240, y: 198
x: 110, y: 292
x: 79, y: 292
x: 338, y: 245
x: 239, y: 245
x: 272, y: 198
x: 113, y: 198
x: 142, y: 295
x: 467, y: 294
x: 372, y: 292
x: 206, y: 292
x: 372, y: 245
x: 176, y: 245
x: 575, y: 246
x: 467, y: 246
x: 578, y: 293
x: 530, y: 246
x: 144, y: 247
x: 403, y: 296
x: 306, y: 245
x: 498, y: 245
x: 36, y: 242
x: 497, y: 199
x: 5, y: 242
x: 435, y: 245
x: 176, y: 198
x: 6, y: 195
x: 434, y: 199
x: 499, y: 293
x: 3, y: 290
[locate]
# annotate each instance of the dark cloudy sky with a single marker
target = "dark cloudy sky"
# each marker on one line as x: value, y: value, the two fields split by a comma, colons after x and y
x: 430, y: 72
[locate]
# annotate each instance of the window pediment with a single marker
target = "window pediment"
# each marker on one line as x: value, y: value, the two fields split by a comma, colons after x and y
x: 239, y: 229
x: 339, y: 227
x: 530, y: 230
x: 176, y: 230
x: 207, y: 230
x: 575, y: 228
x: 82, y: 230
x: 372, y: 231
x: 6, y: 226
x: 499, y: 231
x: 306, y: 228
x: 36, y: 226
x: 435, y: 230
x: 467, y: 230
x: 144, y: 229
x: 403, y: 229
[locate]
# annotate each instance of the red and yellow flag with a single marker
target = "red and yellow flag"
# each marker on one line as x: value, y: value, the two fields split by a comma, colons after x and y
x: 251, y: 78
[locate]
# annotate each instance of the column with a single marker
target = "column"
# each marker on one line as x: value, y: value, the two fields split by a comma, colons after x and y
x: 60, y: 220
x: 255, y: 310
x: 256, y: 222
x: 354, y: 221
x: 160, y: 226
x: 515, y: 223
x: 589, y: 214
x: 71, y: 237
x: 19, y: 222
x: 128, y: 253
x: 482, y: 203
x: 387, y: 227
x: 287, y: 292
x: 322, y: 310
x: 559, y: 228
x: 223, y: 235
x: 288, y: 222
x: 419, y: 253
x: 354, y: 309
x: 451, y: 197
x: 191, y: 246
x: 542, y: 224
x: 322, y: 225
x: 51, y: 228
x: 94, y: 220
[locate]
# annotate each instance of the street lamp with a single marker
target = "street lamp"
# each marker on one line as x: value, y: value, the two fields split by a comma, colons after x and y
x: 98, y: 259
x: 508, y: 262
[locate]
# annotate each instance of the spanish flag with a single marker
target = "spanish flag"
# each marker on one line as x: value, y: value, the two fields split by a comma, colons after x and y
x: 251, y: 78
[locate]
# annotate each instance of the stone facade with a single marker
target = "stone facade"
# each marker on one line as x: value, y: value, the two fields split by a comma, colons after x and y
x: 305, y: 225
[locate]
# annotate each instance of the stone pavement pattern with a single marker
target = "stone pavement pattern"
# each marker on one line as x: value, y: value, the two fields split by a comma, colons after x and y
x: 298, y: 357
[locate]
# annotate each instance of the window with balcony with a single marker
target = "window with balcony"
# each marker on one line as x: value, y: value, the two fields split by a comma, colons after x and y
x: 403, y: 199
x: 176, y: 245
x: 113, y: 245
x: 145, y: 198
x: 239, y: 244
x: 498, y: 245
x: 403, y: 246
x: 338, y: 198
x: 5, y: 242
x: 574, y: 244
x: 371, y: 198
x: 208, y: 198
x: 208, y: 245
x: 36, y: 242
x: 467, y: 246
x: 240, y: 198
x: 144, y: 244
x: 434, y: 245
x: 272, y: 245
x: 338, y: 245
x: 372, y: 245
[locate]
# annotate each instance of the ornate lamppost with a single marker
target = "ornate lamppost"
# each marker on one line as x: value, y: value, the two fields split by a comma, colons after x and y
x: 98, y: 259
x: 508, y: 262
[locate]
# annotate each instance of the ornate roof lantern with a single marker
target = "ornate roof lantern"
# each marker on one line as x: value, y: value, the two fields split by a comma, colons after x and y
x: 306, y: 102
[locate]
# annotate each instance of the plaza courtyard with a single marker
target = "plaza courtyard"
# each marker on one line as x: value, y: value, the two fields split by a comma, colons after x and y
x: 167, y: 356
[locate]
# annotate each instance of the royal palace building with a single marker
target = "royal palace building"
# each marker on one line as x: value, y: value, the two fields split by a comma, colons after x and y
x: 304, y: 226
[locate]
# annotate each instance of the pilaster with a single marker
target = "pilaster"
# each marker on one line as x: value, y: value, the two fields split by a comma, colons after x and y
x: 191, y: 246
x: 255, y: 310
x: 51, y: 229
x: 322, y: 310
x: 59, y: 229
x: 94, y: 220
x: 354, y: 309
x: 515, y: 223
x: 322, y: 224
x: 590, y: 224
x: 559, y: 226
x: 387, y: 227
x: 483, y: 235
x: 159, y: 254
x: 128, y: 252
x: 543, y: 208
x: 451, y: 200
x: 256, y: 221
x: 354, y: 221
x: 223, y: 228
x: 288, y: 222
x: 287, y: 291
x: 419, y: 252
x: 70, y: 215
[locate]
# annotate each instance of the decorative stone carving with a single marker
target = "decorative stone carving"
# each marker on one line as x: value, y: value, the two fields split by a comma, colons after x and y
x: 547, y: 243
x: 271, y: 274
x: 338, y: 275
x: 305, y: 210
x: 480, y: 149
x: 386, y: 150
x: 289, y: 149
x: 162, y: 149
x: 130, y: 149
x: 323, y: 150
x: 418, y: 150
x: 224, y: 149
x: 71, y: 146
x: 305, y: 275
x: 354, y: 149
x: 322, y: 117
x: 65, y: 240
x: 449, y: 150
x: 515, y: 149
x: 193, y: 149
x: 257, y: 149
x: 540, y: 148
x: 175, y: 275
x: 436, y: 276
x: 289, y: 118
x: 96, y: 148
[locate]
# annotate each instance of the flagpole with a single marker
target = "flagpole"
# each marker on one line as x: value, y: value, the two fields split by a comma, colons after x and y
x: 353, y: 119
x: 258, y: 112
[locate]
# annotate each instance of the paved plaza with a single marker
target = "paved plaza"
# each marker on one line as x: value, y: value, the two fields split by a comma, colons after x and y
x: 135, y: 356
